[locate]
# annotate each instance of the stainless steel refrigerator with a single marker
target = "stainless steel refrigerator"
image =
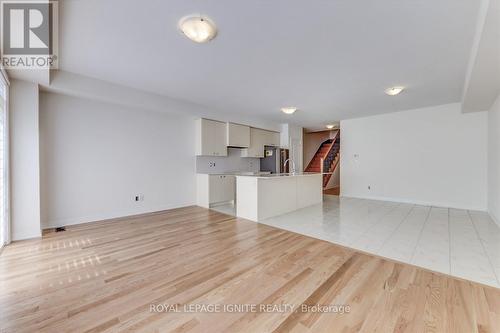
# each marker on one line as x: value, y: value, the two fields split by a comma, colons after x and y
x: 274, y: 159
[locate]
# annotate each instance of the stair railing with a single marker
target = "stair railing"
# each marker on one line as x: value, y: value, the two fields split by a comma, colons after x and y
x: 329, y: 153
x: 328, y: 160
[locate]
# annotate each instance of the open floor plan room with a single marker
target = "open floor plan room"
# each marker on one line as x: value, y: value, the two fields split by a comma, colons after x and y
x: 108, y: 276
x: 250, y: 166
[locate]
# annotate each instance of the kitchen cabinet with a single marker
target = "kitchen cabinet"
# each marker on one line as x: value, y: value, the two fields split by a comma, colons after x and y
x: 258, y: 139
x: 221, y: 188
x: 214, y: 189
x: 271, y: 138
x: 262, y: 197
x: 238, y: 135
x: 211, y: 138
x: 256, y: 148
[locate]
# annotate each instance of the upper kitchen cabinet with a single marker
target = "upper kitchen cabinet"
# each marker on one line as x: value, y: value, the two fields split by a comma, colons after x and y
x: 271, y: 138
x: 258, y: 139
x: 211, y: 138
x: 238, y: 135
x: 256, y: 148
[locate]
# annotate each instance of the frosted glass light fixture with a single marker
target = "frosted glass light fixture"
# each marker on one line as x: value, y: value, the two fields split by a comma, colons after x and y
x: 288, y: 109
x: 199, y: 29
x: 393, y: 91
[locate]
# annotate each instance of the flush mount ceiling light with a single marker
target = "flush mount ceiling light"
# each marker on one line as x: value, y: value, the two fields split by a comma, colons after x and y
x: 289, y: 109
x: 330, y: 126
x: 393, y: 91
x: 199, y: 29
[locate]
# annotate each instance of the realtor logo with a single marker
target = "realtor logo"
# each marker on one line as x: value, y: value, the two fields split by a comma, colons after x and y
x: 29, y: 34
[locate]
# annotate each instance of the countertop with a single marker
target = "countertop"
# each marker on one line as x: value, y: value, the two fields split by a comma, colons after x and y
x: 237, y: 173
x: 281, y: 175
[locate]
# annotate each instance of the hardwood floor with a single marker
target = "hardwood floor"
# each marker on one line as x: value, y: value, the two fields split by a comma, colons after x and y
x: 121, y: 275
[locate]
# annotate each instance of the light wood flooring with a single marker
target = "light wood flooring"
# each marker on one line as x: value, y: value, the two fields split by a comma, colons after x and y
x: 104, y: 276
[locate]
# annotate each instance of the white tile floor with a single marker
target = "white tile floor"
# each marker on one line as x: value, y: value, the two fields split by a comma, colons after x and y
x: 461, y: 243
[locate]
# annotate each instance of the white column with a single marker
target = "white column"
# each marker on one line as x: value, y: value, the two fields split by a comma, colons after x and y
x: 24, y: 160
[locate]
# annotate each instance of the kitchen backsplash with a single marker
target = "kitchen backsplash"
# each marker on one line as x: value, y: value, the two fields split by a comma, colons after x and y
x: 232, y: 162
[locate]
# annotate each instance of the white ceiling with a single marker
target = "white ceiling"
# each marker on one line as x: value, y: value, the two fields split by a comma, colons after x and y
x: 332, y: 59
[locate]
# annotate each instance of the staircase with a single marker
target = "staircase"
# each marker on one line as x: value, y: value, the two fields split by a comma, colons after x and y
x: 326, y: 158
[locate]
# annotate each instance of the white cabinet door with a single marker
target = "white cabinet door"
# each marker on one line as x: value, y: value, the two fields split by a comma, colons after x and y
x: 229, y: 187
x: 210, y: 138
x: 220, y: 138
x: 215, y: 188
x: 204, y: 136
x: 221, y: 188
x: 271, y: 138
x: 275, y: 139
x: 256, y: 148
x: 238, y: 135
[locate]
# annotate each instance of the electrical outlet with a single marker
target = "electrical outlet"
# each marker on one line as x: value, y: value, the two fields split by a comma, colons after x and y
x: 211, y: 164
x: 139, y: 197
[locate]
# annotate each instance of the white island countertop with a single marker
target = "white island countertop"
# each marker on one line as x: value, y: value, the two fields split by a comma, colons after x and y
x: 278, y: 175
x: 259, y: 197
x: 236, y: 173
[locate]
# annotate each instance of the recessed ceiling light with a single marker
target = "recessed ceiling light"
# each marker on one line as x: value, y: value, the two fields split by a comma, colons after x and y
x: 394, y: 91
x: 289, y: 110
x: 199, y: 29
x: 330, y: 126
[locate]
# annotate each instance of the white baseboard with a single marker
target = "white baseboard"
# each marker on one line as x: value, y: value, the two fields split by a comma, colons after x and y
x: 110, y: 215
x: 26, y: 236
x: 494, y: 218
x: 417, y: 202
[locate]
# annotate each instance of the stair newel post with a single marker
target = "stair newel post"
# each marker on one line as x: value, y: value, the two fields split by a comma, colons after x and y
x: 322, y: 161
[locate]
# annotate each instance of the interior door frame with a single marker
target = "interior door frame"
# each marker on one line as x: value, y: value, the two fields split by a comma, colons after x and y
x: 6, y: 176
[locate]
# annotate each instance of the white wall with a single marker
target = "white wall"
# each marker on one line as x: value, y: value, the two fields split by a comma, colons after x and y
x: 482, y: 81
x: 96, y: 157
x: 435, y: 156
x: 232, y: 162
x: 494, y: 161
x: 76, y: 85
x: 24, y: 160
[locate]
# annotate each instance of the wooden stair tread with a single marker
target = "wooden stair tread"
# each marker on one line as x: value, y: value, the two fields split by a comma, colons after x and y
x: 333, y: 146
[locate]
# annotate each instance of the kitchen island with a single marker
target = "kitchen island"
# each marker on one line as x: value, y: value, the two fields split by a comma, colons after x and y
x: 265, y: 196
